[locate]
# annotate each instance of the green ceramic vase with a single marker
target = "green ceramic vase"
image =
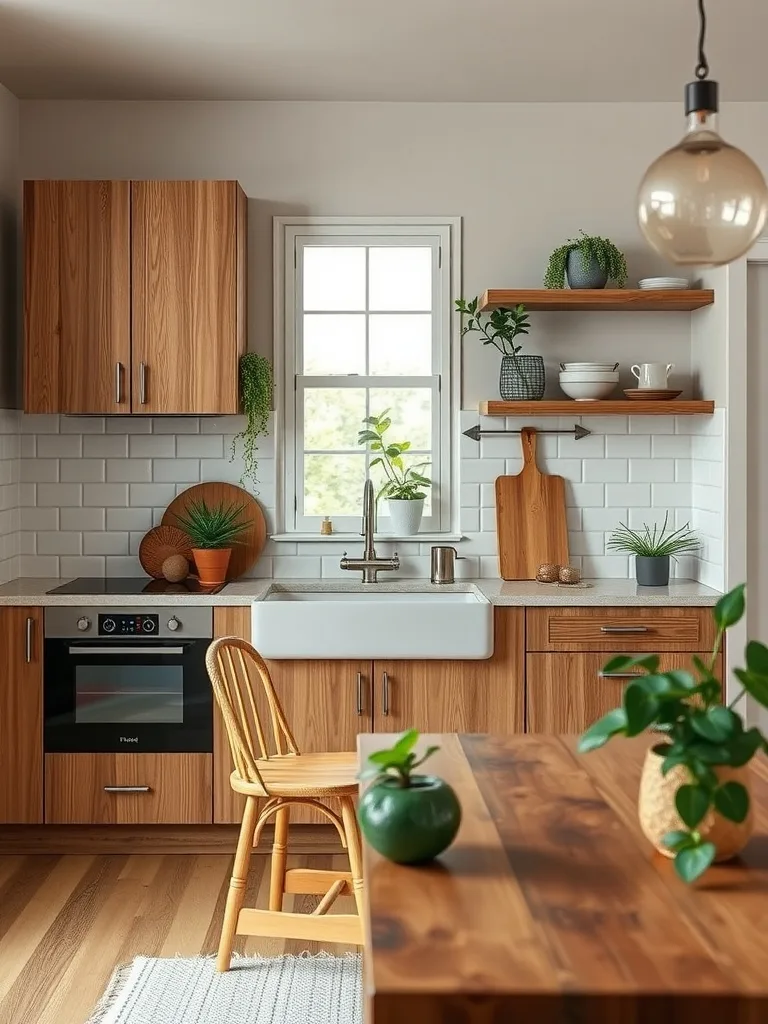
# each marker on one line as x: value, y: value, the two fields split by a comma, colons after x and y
x: 410, y: 825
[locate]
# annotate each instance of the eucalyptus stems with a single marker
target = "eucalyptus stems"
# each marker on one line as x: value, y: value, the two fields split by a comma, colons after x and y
x: 256, y: 387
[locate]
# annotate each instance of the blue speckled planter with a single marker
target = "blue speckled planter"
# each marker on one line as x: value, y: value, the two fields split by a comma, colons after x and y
x: 578, y: 277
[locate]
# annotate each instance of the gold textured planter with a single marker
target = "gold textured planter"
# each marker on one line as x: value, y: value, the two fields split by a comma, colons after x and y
x: 658, y: 814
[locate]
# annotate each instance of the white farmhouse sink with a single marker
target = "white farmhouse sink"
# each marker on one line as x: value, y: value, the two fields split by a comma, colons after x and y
x: 323, y: 622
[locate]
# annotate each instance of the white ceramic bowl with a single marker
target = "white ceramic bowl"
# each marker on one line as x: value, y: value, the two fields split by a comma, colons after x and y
x: 583, y: 391
x: 592, y: 376
x: 567, y: 367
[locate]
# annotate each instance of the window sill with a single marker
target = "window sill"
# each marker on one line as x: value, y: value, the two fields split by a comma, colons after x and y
x: 355, y: 538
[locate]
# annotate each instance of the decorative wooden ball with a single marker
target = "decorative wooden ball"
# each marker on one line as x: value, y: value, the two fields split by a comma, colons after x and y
x: 548, y: 572
x: 175, y: 568
x: 569, y: 574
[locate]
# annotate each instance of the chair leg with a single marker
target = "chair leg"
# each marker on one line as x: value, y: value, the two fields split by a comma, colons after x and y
x: 279, y: 858
x: 237, y: 884
x: 352, y: 833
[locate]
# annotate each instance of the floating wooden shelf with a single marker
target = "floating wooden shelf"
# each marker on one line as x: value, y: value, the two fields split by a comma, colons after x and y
x: 568, y: 407
x: 595, y: 300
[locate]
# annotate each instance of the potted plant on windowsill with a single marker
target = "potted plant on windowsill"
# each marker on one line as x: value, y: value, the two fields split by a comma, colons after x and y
x: 522, y: 377
x: 694, y: 802
x: 653, y: 549
x: 212, y: 531
x: 404, y: 487
x: 407, y: 817
x: 588, y: 262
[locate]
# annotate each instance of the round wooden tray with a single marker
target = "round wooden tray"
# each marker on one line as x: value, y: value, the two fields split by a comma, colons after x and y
x: 159, y: 544
x: 251, y: 541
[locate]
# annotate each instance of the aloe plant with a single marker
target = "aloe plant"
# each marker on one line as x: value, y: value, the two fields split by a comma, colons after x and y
x: 217, y: 526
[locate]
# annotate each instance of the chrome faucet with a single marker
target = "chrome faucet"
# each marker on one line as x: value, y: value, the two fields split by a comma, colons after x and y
x: 369, y: 564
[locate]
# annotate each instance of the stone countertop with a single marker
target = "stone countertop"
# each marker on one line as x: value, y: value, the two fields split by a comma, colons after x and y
x: 30, y: 591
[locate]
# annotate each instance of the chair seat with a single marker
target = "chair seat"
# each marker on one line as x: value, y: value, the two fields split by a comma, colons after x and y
x: 311, y: 775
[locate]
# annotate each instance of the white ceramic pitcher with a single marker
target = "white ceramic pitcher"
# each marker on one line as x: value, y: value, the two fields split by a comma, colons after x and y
x: 652, y: 375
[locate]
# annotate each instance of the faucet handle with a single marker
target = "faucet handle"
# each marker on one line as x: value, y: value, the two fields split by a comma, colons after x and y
x: 344, y: 554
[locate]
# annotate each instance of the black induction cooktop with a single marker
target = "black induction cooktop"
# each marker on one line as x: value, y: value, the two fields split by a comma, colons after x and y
x: 132, y: 585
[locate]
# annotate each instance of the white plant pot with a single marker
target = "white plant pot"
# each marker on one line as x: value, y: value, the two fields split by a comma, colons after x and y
x: 405, y: 515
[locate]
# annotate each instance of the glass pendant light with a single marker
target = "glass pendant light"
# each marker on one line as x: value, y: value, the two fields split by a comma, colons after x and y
x: 703, y: 202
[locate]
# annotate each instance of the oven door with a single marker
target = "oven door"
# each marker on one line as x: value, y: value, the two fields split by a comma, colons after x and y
x: 111, y: 695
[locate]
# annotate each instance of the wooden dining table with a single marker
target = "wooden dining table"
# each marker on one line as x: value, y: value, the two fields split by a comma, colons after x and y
x: 551, y: 907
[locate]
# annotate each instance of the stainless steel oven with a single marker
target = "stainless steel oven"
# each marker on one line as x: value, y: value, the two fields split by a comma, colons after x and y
x: 127, y: 679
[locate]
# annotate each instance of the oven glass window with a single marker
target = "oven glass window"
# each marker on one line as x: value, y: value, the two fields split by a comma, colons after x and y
x: 122, y: 693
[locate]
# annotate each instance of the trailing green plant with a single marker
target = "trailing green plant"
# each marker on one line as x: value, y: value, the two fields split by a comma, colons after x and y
x: 701, y: 733
x: 217, y: 526
x: 256, y: 387
x: 654, y: 543
x: 404, y: 483
x: 609, y: 258
x: 398, y: 762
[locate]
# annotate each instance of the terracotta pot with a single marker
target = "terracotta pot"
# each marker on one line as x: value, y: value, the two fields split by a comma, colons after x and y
x: 212, y: 565
x: 658, y: 814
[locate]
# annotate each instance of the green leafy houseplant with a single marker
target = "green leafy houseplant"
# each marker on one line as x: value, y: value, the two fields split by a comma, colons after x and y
x: 701, y: 734
x: 656, y: 543
x: 408, y: 817
x: 256, y: 387
x: 403, y: 483
x: 212, y: 527
x: 608, y: 257
x: 501, y: 328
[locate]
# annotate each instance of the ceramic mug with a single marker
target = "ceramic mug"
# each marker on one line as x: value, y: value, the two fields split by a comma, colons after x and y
x: 652, y: 375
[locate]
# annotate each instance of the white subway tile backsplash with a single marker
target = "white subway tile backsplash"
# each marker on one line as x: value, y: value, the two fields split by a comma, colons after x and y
x: 129, y: 471
x: 513, y: 466
x: 82, y: 470
x: 59, y: 495
x: 606, y: 470
x: 236, y: 424
x: 651, y: 424
x: 572, y: 518
x: 569, y: 469
x: 592, y: 447
x: 59, y: 446
x: 675, y: 446
x: 45, y: 518
x: 176, y: 425
x: 105, y: 446
x: 584, y: 496
x: 192, y: 446
x: 707, y: 498
x: 231, y: 472
x: 489, y: 568
x: 129, y: 425
x: 609, y: 566
x: 671, y: 496
x: 103, y: 543
x: 28, y: 444
x: 59, y: 543
x: 296, y: 566
x: 631, y: 447
x: 580, y: 543
x: 481, y: 471
x: 469, y: 521
x: 152, y: 446
x: 470, y: 495
x: 651, y: 471
x: 105, y: 495
x: 708, y: 448
x: 627, y: 495
x: 640, y: 517
x: 81, y: 425
x: 78, y: 518
x: 123, y: 565
x: 82, y: 565
x: 605, y: 424
x: 127, y: 519
x: 40, y: 470
x: 488, y: 520
x: 151, y: 495
x: 176, y: 470
x: 488, y: 495
x: 38, y: 423
x: 40, y: 565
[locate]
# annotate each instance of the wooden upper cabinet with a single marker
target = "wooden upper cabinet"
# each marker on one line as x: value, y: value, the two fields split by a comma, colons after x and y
x: 77, y: 296
x: 21, y: 716
x: 188, y: 258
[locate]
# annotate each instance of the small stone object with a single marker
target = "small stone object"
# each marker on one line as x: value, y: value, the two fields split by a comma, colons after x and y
x: 547, y: 572
x: 175, y: 568
x: 326, y: 527
x: 569, y: 574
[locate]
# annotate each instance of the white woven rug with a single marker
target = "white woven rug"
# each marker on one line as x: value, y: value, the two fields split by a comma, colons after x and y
x: 321, y: 989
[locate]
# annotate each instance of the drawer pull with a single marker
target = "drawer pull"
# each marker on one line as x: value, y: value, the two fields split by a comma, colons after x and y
x: 619, y: 675
x: 624, y: 629
x: 126, y: 789
x: 360, y: 708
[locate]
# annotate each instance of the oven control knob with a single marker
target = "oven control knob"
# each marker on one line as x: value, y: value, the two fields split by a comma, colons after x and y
x: 83, y: 624
x: 108, y: 625
x: 148, y: 625
x: 173, y: 624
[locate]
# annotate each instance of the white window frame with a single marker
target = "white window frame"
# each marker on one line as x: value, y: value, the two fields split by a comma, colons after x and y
x: 290, y: 234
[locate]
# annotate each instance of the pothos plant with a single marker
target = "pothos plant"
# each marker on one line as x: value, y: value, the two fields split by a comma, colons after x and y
x: 609, y: 258
x: 256, y: 387
x: 701, y: 732
x: 397, y: 764
x: 404, y: 483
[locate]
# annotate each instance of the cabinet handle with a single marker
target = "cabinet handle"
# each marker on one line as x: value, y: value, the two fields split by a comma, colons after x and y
x: 385, y: 693
x: 619, y: 675
x: 118, y: 383
x: 28, y: 640
x: 623, y: 629
x: 359, y: 693
x: 143, y: 383
x: 126, y: 789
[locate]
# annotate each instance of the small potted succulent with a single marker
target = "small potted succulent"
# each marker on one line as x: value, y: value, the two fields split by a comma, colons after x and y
x: 212, y: 531
x: 694, y: 802
x: 588, y: 262
x: 407, y: 817
x: 404, y: 487
x: 653, y: 549
x: 522, y: 377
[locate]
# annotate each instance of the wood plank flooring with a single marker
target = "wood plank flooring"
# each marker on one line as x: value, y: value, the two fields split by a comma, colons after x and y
x: 67, y: 922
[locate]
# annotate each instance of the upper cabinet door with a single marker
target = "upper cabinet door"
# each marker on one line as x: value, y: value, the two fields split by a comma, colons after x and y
x: 77, y: 296
x: 189, y: 244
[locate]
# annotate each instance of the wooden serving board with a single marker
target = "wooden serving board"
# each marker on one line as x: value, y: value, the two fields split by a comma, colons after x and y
x: 530, y: 517
x: 252, y: 541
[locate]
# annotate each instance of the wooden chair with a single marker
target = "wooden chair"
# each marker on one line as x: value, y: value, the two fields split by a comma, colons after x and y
x: 284, y: 777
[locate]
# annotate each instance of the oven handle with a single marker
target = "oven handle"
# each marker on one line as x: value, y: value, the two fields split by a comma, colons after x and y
x: 138, y: 651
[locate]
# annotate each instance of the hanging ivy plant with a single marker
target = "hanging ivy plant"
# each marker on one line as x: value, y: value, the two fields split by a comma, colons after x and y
x: 256, y: 386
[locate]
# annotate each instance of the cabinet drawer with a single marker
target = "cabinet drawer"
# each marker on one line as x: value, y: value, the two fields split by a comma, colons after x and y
x: 619, y: 629
x: 95, y: 789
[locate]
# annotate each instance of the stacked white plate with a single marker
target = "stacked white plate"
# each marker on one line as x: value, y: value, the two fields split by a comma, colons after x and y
x: 589, y: 367
x: 665, y: 283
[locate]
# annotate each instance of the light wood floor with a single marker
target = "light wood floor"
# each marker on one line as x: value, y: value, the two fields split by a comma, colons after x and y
x: 67, y: 922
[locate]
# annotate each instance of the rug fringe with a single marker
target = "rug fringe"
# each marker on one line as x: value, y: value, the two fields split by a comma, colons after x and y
x: 111, y: 993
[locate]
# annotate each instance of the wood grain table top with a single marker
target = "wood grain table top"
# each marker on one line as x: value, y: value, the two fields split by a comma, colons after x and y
x: 551, y: 906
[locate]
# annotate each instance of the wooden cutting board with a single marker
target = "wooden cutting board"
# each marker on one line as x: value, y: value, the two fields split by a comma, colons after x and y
x: 530, y: 517
x: 252, y: 541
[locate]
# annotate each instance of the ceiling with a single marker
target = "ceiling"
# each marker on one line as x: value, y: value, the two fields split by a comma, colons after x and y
x: 429, y: 50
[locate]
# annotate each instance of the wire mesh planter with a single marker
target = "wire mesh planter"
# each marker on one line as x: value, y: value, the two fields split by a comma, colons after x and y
x: 522, y: 378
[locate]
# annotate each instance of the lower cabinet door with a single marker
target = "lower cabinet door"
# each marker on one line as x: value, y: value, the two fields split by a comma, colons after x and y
x: 128, y: 789
x: 566, y: 693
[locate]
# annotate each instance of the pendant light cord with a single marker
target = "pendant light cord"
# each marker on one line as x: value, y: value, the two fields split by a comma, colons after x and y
x: 702, y: 68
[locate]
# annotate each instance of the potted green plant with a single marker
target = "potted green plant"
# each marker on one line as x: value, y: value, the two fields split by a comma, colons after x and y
x: 256, y: 387
x: 408, y: 818
x: 212, y: 531
x: 404, y: 485
x: 653, y: 549
x: 694, y: 802
x: 522, y: 377
x: 588, y: 262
